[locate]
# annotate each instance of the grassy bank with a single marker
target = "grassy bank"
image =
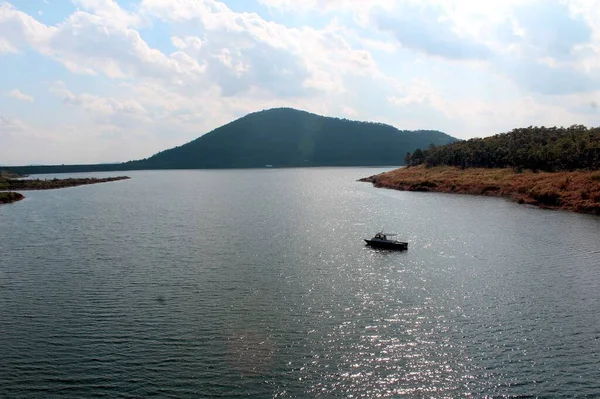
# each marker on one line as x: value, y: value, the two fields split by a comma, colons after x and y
x: 8, y: 197
x: 577, y: 191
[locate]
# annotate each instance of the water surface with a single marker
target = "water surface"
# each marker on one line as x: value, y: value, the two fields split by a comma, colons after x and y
x: 257, y: 282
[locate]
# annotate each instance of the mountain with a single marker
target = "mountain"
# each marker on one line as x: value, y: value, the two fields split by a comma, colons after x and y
x: 285, y: 137
x: 282, y: 137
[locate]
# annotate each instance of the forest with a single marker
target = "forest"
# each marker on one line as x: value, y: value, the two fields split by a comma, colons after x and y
x: 536, y: 148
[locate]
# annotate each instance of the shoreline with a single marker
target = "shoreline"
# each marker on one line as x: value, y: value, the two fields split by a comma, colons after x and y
x: 51, y: 184
x: 11, y: 183
x: 577, y: 191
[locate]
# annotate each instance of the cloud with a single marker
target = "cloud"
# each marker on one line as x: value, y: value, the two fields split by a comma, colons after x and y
x: 144, y: 76
x: 87, y: 43
x: 550, y: 48
x: 17, y: 94
x: 92, y: 44
x: 6, y: 46
x: 549, y: 28
x: 243, y: 51
x: 464, y: 118
x: 21, y: 141
x: 10, y: 125
x: 425, y: 28
x: 108, y: 111
x: 290, y: 5
x: 324, y: 7
x: 110, y: 11
x: 548, y: 79
x: 18, y: 29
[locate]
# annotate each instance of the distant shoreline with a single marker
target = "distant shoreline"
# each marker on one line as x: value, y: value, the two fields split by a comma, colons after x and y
x: 100, y: 168
x: 577, y: 191
x: 7, y: 197
x: 51, y: 184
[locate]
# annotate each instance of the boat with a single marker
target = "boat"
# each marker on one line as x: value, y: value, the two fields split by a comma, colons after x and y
x: 381, y: 240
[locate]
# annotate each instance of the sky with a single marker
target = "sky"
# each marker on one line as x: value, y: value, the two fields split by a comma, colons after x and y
x: 88, y: 81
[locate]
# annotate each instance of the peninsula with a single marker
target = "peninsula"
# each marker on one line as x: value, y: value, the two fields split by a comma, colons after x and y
x: 554, y: 168
x: 11, y: 181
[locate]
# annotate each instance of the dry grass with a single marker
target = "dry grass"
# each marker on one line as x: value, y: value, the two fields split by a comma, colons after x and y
x: 577, y: 191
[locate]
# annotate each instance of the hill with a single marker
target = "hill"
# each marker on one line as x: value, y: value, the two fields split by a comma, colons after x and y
x: 281, y: 137
x: 285, y: 137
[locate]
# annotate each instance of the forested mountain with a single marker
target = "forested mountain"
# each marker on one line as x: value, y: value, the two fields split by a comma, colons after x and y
x: 536, y: 148
x: 285, y: 137
x: 281, y: 137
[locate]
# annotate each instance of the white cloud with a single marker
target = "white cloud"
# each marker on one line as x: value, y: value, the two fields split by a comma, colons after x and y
x: 329, y: 6
x: 119, y: 113
x: 6, y: 46
x: 110, y: 12
x: 242, y: 50
x: 349, y: 111
x: 549, y: 28
x: 91, y: 44
x: 17, y: 94
x: 18, y: 29
x: 10, y: 125
x: 422, y: 27
x: 88, y: 43
x: 21, y: 142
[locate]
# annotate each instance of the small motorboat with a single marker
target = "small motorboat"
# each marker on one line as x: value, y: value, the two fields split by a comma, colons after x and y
x: 381, y: 240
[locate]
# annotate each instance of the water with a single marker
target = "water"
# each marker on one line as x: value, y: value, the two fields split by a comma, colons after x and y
x: 257, y: 283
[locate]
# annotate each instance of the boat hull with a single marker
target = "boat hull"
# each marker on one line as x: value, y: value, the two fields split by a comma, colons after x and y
x: 387, y: 245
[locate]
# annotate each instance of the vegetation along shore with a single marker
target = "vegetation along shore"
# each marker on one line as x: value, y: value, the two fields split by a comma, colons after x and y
x: 8, y: 197
x: 10, y: 181
x: 555, y: 168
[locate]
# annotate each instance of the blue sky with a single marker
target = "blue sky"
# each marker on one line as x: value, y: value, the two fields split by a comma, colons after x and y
x: 88, y: 81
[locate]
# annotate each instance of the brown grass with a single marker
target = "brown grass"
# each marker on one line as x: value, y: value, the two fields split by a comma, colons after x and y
x: 577, y: 191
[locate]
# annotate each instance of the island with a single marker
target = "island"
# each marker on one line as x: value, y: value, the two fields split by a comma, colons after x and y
x: 549, y: 167
x: 12, y: 181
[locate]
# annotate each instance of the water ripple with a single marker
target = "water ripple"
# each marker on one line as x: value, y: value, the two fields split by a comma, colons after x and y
x: 246, y: 283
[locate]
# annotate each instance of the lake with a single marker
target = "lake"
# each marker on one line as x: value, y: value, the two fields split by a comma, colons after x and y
x: 235, y: 283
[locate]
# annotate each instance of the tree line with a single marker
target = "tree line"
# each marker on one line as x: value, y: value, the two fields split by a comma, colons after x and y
x: 536, y: 148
